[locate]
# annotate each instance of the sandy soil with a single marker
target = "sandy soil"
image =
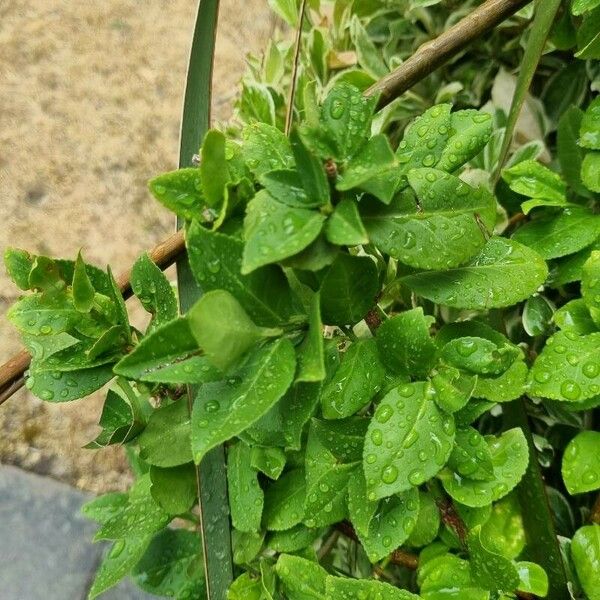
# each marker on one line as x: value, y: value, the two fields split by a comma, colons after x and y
x: 90, y: 102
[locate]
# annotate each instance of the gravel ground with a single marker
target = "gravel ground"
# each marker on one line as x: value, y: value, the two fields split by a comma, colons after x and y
x: 90, y: 103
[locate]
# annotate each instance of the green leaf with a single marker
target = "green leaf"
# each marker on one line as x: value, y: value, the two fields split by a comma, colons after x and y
x: 333, y: 454
x: 311, y: 353
x: 153, y: 290
x: 568, y: 367
x: 301, y: 579
x: 590, y: 171
x: 246, y: 546
x: 45, y: 276
x: 102, y: 508
x: 569, y: 268
x: 274, y: 231
x: 287, y: 10
x: 245, y: 587
x: 167, y: 355
x: 578, y: 7
x: 480, y: 355
x: 246, y: 497
x: 18, y: 265
x: 59, y: 386
x: 174, y: 489
x: 590, y: 285
x: 532, y: 179
x: 372, y: 169
x: 118, y: 562
x: 181, y: 192
x: 344, y: 227
x: 408, y: 441
x: 393, y: 520
x: 139, y: 517
x: 448, y: 572
x: 588, y: 36
x: 452, y: 388
x: 296, y: 407
x: 580, y: 468
x: 509, y: 457
x: 214, y: 172
x: 166, y: 440
x: 294, y: 539
x: 428, y: 522
x: 83, y: 290
x: 284, y: 501
x: 356, y: 381
x: 38, y: 314
x: 118, y: 421
x: 442, y: 229
x: 266, y: 148
x: 570, y: 154
x: 553, y: 236
x: 344, y: 588
x: 223, y: 329
x: 369, y: 56
x: 503, y: 531
x: 348, y: 289
x: 286, y: 187
x: 425, y: 139
x: 490, y: 570
x: 585, y: 550
x: 172, y: 565
x: 256, y: 103
x: 224, y: 409
x: 575, y: 316
x: 470, y: 131
x: 471, y: 456
x: 503, y: 273
x: 216, y: 261
x: 589, y: 131
x: 311, y: 172
x: 270, y: 461
x: 346, y: 118
x: 405, y: 344
x: 532, y: 579
x: 537, y: 315
x: 506, y: 387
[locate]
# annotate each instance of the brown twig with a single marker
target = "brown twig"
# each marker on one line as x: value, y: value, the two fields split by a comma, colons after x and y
x: 426, y: 59
x: 437, y: 52
x: 452, y: 519
x: 12, y: 372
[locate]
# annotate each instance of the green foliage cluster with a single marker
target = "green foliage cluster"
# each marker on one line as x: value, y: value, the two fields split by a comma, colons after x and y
x: 372, y: 303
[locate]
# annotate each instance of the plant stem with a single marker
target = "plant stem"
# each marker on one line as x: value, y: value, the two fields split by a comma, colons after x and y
x: 298, y: 44
x: 438, y: 51
x: 542, y: 23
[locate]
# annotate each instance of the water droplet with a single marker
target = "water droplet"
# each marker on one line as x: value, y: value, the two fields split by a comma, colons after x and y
x: 389, y: 474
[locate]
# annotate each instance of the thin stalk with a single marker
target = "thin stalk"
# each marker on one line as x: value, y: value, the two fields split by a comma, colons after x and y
x: 294, y: 81
x: 545, y: 14
x: 211, y: 481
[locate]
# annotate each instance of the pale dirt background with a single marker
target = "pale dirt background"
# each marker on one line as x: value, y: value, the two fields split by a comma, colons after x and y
x: 90, y: 104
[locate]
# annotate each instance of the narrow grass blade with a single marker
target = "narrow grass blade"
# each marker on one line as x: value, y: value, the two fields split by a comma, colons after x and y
x: 542, y: 543
x: 211, y: 475
x: 545, y: 13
